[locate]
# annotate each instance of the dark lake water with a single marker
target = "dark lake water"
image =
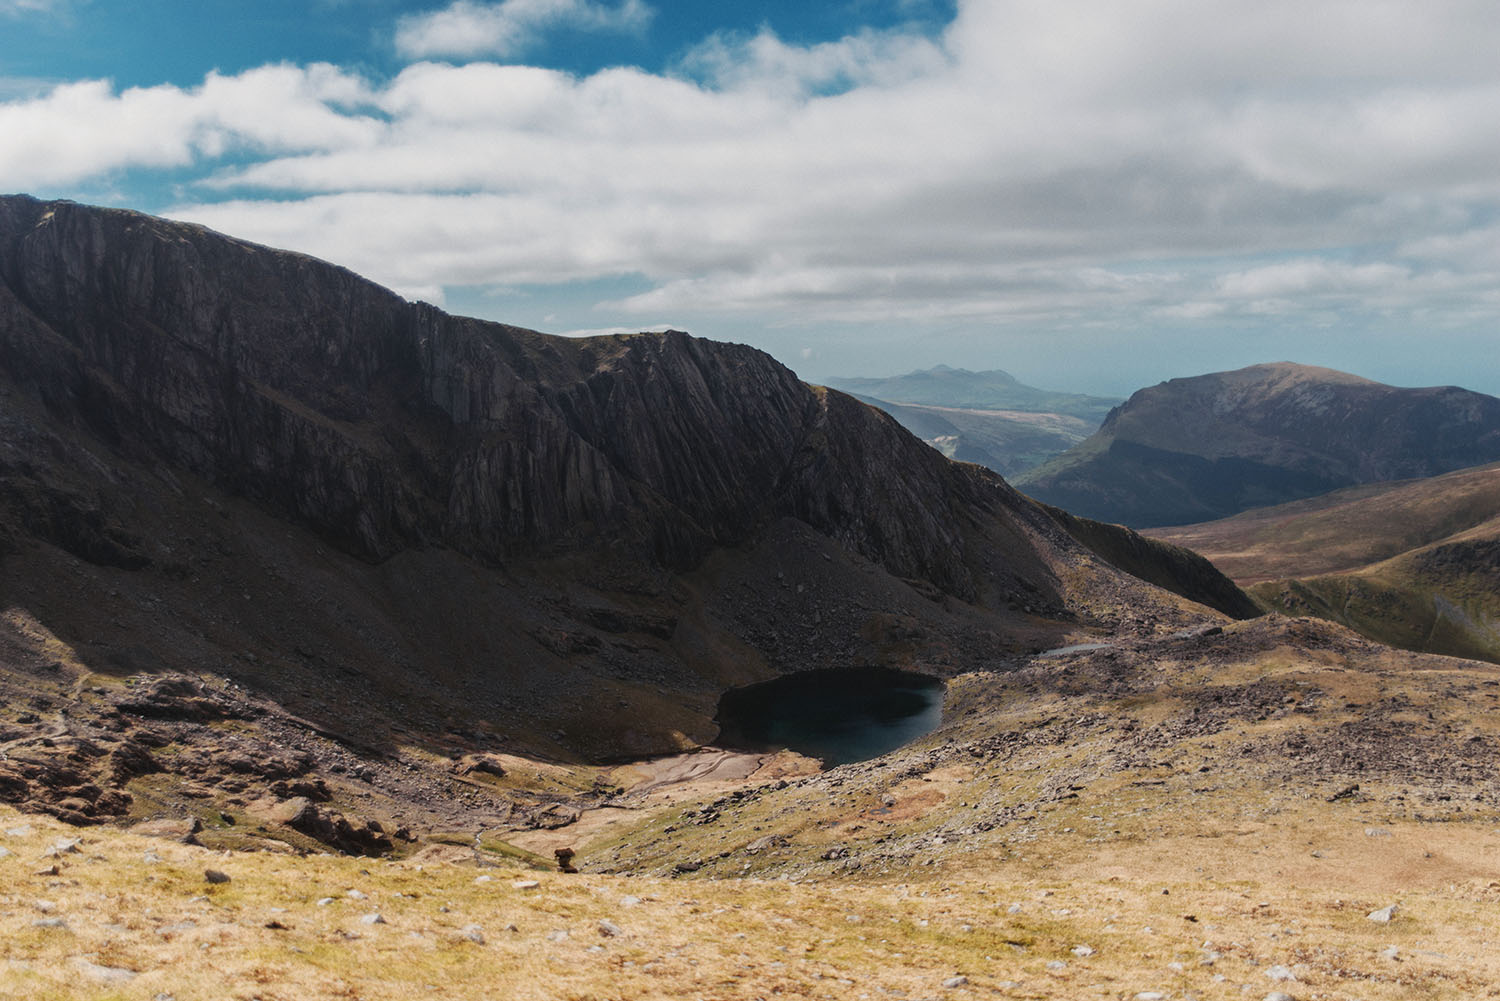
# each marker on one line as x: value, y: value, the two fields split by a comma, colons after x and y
x: 848, y: 714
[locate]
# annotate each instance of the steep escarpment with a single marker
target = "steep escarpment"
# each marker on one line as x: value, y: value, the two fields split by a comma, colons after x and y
x: 385, y: 425
x: 1206, y: 447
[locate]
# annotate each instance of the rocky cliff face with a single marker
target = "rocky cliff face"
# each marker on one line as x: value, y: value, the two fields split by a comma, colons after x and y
x: 384, y: 424
x: 1196, y: 449
x: 229, y: 460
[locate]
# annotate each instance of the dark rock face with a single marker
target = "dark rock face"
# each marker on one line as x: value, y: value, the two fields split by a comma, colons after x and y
x: 1196, y: 449
x: 384, y: 424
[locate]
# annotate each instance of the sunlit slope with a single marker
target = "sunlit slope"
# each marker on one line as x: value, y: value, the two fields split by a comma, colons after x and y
x: 1415, y: 564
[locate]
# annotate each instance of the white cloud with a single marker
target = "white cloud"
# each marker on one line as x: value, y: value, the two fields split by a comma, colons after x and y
x: 1039, y: 165
x: 14, y: 8
x: 78, y: 131
x: 507, y: 28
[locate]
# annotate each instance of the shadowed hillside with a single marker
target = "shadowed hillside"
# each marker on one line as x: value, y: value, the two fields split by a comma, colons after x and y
x: 1206, y: 447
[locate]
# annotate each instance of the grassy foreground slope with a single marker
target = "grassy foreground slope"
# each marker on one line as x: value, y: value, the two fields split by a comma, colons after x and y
x: 1214, y: 815
x: 1415, y: 564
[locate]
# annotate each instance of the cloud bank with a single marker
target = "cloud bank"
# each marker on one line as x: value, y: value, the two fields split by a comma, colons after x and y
x: 467, y: 29
x: 1095, y: 164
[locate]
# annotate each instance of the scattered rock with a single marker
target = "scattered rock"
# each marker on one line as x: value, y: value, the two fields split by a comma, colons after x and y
x: 957, y: 981
x: 215, y: 876
x: 525, y: 884
x: 52, y: 923
x: 472, y: 933
x: 61, y: 847
x: 556, y: 815
x: 174, y: 828
x: 1280, y: 973
x: 1383, y: 915
x: 557, y: 936
x: 1279, y: 996
x: 485, y: 764
x: 609, y: 929
x: 374, y: 918
x: 301, y: 814
x: 103, y: 974
x: 1348, y: 792
x: 1083, y: 951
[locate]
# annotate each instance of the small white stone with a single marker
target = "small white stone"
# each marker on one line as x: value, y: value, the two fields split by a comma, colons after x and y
x: 1083, y: 951
x: 372, y: 919
x: 1383, y: 915
x: 324, y: 901
x: 356, y: 895
x: 957, y: 981
x: 525, y: 884
x: 1280, y: 973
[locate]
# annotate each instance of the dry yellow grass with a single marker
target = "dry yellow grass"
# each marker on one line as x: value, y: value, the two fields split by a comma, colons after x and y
x: 1187, y: 911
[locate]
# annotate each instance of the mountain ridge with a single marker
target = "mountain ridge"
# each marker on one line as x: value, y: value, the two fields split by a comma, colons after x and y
x: 1197, y: 448
x: 993, y: 389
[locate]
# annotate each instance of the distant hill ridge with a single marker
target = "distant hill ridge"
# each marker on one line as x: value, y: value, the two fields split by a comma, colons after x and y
x: 1209, y: 446
x: 942, y: 386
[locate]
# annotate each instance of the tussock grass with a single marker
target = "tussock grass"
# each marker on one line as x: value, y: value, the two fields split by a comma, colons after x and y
x: 1142, y: 889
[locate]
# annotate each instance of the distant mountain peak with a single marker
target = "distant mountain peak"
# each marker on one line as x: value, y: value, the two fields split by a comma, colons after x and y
x: 1193, y: 449
x: 961, y: 388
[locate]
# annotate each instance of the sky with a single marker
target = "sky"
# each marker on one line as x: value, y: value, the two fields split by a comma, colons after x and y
x: 1094, y: 195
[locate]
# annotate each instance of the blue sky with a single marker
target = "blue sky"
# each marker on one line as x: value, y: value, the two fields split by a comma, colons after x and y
x: 1093, y: 194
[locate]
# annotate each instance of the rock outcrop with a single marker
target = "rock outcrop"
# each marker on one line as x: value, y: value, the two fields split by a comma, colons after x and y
x: 385, y: 425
